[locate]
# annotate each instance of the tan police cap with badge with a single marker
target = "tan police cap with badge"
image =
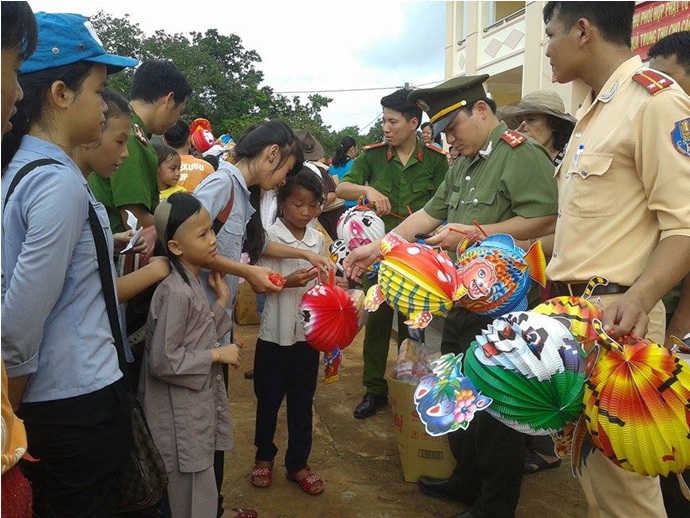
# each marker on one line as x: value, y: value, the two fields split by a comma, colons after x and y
x: 443, y: 101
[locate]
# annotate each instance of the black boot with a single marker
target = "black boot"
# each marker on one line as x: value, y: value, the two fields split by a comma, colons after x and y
x: 370, y: 404
x: 440, y: 488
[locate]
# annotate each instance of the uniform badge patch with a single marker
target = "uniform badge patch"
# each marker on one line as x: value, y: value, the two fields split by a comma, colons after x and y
x: 681, y: 137
x: 139, y: 133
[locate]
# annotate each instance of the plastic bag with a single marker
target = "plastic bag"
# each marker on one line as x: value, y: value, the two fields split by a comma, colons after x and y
x: 414, y: 361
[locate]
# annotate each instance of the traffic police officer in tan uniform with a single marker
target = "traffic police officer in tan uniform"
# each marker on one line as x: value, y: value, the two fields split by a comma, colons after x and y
x: 504, y: 181
x: 624, y: 201
x: 399, y: 175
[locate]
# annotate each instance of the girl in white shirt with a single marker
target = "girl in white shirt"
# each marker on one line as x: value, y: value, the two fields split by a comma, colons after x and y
x: 285, y: 366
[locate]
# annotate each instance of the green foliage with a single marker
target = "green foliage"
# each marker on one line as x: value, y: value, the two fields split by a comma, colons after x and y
x: 225, y: 80
x: 375, y: 133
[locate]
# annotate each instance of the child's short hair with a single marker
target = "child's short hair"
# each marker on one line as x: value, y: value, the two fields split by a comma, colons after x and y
x: 117, y: 105
x: 178, y: 135
x: 169, y: 216
x: 305, y: 178
x: 164, y: 152
x: 19, y: 27
x: 157, y: 78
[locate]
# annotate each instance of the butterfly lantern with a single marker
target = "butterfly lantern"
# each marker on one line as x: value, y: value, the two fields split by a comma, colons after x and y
x: 637, y: 407
x: 415, y: 279
x: 533, y: 369
x: 359, y: 226
x: 446, y: 400
x: 495, y: 274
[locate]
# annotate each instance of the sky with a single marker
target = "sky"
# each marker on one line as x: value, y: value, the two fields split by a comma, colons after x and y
x: 376, y: 46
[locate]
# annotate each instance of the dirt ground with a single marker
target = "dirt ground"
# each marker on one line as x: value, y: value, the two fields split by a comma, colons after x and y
x: 358, y: 460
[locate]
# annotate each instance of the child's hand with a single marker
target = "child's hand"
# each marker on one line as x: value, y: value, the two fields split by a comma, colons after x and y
x: 228, y: 354
x: 216, y: 282
x: 121, y: 240
x: 300, y: 278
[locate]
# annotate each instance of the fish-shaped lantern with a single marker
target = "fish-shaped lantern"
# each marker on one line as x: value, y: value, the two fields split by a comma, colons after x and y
x: 415, y: 279
x: 495, y: 274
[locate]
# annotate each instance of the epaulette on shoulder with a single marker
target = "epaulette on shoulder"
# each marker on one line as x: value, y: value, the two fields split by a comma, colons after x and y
x: 652, y: 80
x: 435, y: 148
x: 513, y: 138
x: 373, y: 146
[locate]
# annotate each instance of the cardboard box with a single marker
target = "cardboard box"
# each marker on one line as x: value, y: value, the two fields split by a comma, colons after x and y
x: 420, y: 453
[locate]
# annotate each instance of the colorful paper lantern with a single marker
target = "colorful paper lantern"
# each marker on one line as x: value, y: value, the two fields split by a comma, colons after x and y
x: 495, y: 274
x: 415, y: 279
x: 446, y: 401
x: 533, y: 369
x: 329, y: 316
x: 202, y: 140
x: 637, y: 406
x: 359, y: 226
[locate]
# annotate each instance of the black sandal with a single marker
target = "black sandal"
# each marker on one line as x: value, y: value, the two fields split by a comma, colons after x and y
x: 534, y: 463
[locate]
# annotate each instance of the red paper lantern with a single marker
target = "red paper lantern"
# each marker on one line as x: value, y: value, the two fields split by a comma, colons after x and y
x: 329, y: 315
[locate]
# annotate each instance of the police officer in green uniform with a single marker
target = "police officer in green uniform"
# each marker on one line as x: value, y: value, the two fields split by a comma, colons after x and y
x: 399, y: 175
x: 159, y: 93
x: 504, y: 181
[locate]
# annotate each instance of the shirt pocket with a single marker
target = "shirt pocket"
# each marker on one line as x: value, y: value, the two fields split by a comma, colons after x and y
x: 591, y: 186
x: 423, y: 183
x: 480, y: 205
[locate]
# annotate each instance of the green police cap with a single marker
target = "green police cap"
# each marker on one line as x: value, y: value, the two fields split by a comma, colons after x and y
x: 443, y: 101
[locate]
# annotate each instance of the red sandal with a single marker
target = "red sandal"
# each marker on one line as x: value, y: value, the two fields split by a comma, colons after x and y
x: 262, y: 472
x: 311, y: 484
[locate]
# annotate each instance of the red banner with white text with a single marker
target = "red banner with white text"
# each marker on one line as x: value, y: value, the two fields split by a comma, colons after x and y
x: 655, y: 20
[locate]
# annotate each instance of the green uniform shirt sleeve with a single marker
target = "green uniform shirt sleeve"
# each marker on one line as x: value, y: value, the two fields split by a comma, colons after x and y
x: 136, y: 181
x: 437, y: 206
x: 530, y: 184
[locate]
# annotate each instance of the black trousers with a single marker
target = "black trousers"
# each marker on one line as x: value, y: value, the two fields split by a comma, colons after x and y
x: 291, y: 373
x: 219, y: 457
x: 82, y: 444
x: 490, y: 456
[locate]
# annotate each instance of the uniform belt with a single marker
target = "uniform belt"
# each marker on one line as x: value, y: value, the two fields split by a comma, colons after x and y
x: 576, y: 289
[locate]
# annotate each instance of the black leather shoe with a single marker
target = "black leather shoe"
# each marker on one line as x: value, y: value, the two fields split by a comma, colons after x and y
x: 440, y: 488
x: 370, y: 404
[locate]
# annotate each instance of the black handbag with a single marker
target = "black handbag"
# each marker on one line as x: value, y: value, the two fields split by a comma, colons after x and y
x: 145, y: 477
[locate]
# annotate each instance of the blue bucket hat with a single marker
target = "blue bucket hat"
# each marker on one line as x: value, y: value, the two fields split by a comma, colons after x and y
x: 64, y: 39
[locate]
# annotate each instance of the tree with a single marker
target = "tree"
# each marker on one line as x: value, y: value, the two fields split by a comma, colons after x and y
x: 222, y: 73
x: 375, y: 133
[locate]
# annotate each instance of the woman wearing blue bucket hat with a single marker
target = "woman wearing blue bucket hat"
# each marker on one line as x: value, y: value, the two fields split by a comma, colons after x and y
x: 57, y: 338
